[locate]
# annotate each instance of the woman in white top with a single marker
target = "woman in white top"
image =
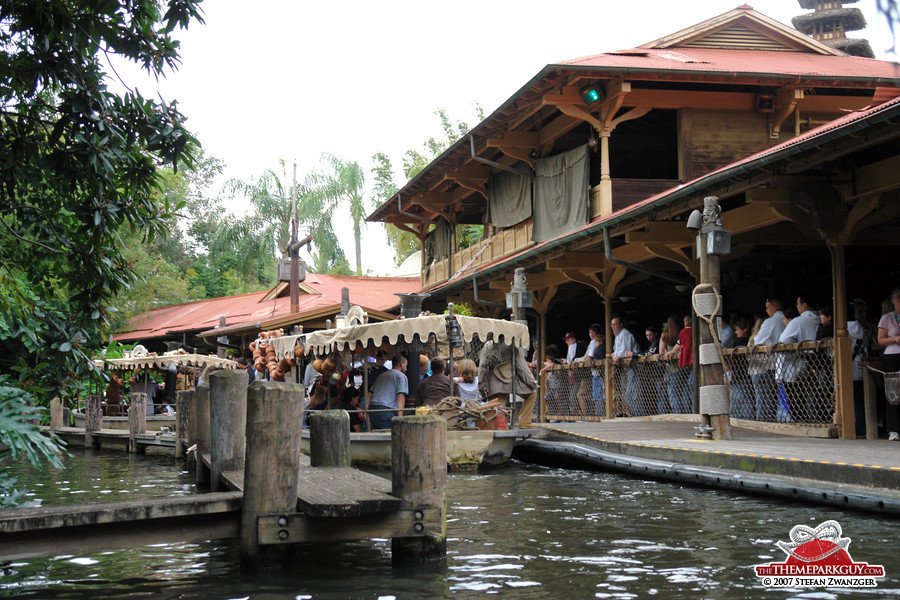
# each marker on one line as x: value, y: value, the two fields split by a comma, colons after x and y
x: 889, y: 339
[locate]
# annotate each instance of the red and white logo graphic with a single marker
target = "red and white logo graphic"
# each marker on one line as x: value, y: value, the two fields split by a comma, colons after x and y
x: 818, y: 557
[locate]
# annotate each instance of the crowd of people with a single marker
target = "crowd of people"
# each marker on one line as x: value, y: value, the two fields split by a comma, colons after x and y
x: 765, y: 386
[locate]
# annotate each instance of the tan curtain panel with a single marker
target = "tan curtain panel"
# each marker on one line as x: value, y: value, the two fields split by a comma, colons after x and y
x: 509, y: 199
x: 560, y: 194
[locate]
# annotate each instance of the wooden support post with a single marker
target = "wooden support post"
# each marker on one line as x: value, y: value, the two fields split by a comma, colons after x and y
x: 869, y: 391
x: 67, y: 416
x: 844, y: 414
x: 200, y: 425
x: 419, y: 479
x: 272, y: 463
x: 182, y: 421
x: 227, y: 424
x: 56, y: 414
x: 329, y: 439
x: 137, y: 419
x: 608, y: 374
x: 93, y: 418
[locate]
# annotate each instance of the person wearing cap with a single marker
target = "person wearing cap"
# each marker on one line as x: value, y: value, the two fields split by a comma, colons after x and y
x: 572, y: 349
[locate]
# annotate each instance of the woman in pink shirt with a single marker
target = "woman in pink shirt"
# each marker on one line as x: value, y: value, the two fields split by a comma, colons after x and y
x: 889, y: 338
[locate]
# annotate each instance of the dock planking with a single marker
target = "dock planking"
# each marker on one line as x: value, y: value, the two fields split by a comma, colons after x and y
x: 334, y: 491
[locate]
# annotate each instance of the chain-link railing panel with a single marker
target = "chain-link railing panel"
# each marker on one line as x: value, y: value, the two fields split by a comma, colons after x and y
x: 786, y: 383
x: 780, y: 384
x: 649, y: 386
x: 575, y: 391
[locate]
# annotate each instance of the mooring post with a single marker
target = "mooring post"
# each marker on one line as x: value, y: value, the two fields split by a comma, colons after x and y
x: 93, y: 417
x: 419, y: 479
x: 200, y: 426
x: 56, y: 414
x: 227, y: 423
x: 272, y: 462
x: 137, y: 419
x: 329, y: 439
x: 182, y: 421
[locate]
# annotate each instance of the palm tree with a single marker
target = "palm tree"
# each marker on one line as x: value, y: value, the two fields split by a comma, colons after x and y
x: 344, y: 183
x: 265, y: 228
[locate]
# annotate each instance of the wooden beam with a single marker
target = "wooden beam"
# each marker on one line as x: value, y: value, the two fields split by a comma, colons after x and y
x: 611, y: 279
x: 468, y: 172
x: 616, y: 90
x: 516, y: 139
x: 754, y: 216
x: 556, y: 128
x: 674, y: 255
x: 543, y: 297
x: 877, y: 178
x: 585, y: 278
x: 860, y: 210
x: 786, y: 100
x: 664, y: 232
x: 579, y: 260
x: 634, y: 113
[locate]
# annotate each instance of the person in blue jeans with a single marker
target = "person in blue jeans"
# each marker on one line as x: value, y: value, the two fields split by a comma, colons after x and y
x: 388, y: 394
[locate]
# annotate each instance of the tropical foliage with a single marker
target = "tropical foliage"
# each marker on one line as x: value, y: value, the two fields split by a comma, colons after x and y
x: 81, y: 165
x: 405, y: 242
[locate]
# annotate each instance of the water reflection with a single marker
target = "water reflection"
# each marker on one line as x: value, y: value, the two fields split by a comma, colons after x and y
x: 520, y: 532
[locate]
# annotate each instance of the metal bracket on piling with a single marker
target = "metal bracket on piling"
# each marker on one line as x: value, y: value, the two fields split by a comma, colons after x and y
x: 293, y: 528
x: 704, y: 432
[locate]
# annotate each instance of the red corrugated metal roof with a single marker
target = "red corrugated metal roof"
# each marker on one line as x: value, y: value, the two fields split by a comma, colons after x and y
x: 372, y: 293
x: 742, y: 62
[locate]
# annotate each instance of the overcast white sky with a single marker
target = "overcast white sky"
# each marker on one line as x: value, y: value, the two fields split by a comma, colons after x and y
x: 277, y: 79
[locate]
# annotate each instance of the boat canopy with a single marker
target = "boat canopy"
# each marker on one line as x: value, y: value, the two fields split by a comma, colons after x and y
x: 401, y: 330
x: 153, y: 361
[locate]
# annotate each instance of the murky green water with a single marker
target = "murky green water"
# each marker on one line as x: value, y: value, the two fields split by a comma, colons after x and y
x: 519, y: 532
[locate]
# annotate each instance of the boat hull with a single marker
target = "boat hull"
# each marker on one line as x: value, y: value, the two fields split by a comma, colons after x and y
x: 466, y: 449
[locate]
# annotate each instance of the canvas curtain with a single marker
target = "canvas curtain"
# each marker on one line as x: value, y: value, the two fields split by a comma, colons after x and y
x: 509, y: 199
x: 437, y: 245
x: 560, y: 194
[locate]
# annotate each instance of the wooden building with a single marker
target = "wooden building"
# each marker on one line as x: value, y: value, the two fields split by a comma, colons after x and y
x: 586, y: 175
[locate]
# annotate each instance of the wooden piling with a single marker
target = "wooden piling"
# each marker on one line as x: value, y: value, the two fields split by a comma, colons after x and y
x: 137, y: 419
x: 419, y: 479
x: 182, y: 421
x: 56, y: 414
x: 272, y: 463
x: 329, y: 439
x: 200, y: 426
x: 227, y: 424
x: 93, y: 418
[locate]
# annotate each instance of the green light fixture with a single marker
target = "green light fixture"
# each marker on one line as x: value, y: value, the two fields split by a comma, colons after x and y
x: 591, y: 96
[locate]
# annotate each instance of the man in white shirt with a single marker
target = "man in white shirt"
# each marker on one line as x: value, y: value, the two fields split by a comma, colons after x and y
x: 795, y: 376
x: 625, y: 346
x: 761, y: 366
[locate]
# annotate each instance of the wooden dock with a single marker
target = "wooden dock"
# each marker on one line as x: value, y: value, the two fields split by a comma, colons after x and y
x: 264, y: 491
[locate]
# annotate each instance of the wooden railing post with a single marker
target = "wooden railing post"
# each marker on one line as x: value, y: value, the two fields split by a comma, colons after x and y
x: 329, y: 439
x: 419, y: 479
x: 200, y: 426
x: 137, y: 419
x: 182, y: 421
x: 93, y: 418
x: 272, y: 462
x: 869, y: 391
x: 227, y: 424
x: 56, y: 414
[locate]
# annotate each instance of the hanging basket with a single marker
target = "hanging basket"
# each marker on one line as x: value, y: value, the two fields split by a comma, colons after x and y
x: 892, y: 387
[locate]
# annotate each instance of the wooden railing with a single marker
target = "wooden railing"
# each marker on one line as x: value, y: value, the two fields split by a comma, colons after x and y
x: 503, y: 243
